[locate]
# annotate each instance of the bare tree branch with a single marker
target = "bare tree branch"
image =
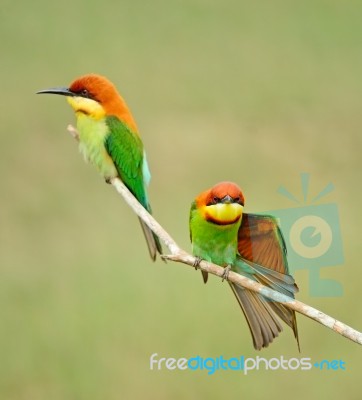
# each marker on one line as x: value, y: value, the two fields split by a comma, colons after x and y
x: 179, y: 255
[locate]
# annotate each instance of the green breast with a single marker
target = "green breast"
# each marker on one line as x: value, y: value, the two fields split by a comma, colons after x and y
x: 92, y: 134
x: 211, y: 242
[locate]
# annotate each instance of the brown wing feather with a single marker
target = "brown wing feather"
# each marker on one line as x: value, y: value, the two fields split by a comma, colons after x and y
x: 261, y: 241
x: 261, y: 245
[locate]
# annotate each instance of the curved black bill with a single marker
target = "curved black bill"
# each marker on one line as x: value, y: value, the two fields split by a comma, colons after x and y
x: 227, y: 200
x: 61, y: 91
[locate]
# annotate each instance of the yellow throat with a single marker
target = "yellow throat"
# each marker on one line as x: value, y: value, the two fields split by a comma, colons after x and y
x: 224, y: 214
x: 86, y: 106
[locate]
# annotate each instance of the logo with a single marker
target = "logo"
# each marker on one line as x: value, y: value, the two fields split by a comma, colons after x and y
x: 312, y: 234
x: 241, y: 363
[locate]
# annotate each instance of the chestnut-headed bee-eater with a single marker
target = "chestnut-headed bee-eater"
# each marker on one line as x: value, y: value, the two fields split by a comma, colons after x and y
x: 109, y: 139
x: 251, y: 245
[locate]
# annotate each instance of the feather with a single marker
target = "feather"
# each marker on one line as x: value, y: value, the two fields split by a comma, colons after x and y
x: 127, y: 153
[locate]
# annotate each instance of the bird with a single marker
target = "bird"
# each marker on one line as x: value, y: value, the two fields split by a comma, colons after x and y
x: 251, y: 245
x: 109, y: 139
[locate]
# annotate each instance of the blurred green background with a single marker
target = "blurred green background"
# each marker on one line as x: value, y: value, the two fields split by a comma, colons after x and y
x: 250, y: 91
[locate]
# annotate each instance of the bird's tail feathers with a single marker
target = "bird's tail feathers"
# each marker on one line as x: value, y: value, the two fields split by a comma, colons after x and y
x: 282, y: 283
x: 263, y: 324
x: 152, y: 240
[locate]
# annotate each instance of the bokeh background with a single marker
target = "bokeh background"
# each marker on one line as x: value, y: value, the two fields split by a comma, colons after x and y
x: 251, y: 91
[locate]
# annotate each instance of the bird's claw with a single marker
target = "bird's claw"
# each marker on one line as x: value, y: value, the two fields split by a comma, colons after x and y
x: 225, y: 274
x: 196, y: 263
x: 108, y: 180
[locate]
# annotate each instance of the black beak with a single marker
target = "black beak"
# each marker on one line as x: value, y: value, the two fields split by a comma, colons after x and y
x: 227, y: 200
x: 61, y: 91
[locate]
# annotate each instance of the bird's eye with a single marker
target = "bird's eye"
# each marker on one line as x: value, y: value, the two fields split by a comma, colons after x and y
x: 84, y: 93
x: 239, y: 200
x: 213, y: 200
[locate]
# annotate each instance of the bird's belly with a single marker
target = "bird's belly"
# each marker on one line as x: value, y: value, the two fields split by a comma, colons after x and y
x: 92, y: 134
x: 216, y: 252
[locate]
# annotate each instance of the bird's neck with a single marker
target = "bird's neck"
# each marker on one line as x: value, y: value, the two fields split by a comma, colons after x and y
x: 95, y: 111
x: 118, y: 108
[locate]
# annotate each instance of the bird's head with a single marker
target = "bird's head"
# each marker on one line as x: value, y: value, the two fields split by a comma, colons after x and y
x: 222, y: 204
x: 95, y: 96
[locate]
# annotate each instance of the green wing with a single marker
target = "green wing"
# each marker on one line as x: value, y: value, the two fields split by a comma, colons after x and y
x: 126, y: 150
x: 193, y: 207
x: 192, y: 226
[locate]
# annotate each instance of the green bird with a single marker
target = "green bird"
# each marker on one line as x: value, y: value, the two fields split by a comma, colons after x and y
x: 251, y: 245
x: 109, y: 139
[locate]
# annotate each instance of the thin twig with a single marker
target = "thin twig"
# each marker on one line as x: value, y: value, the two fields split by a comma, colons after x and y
x: 179, y: 255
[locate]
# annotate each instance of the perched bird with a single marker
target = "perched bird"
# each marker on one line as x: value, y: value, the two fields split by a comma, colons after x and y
x: 109, y: 139
x: 251, y: 245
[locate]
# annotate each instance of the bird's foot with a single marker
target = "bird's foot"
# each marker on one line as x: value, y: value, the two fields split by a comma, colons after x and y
x: 73, y: 132
x: 108, y: 180
x: 196, y: 263
x: 225, y: 275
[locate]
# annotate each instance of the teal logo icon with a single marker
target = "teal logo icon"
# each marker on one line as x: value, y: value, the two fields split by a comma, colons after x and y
x: 313, y: 238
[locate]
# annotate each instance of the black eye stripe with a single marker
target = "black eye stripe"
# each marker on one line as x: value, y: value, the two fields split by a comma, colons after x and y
x: 85, y: 93
x: 213, y: 201
x: 216, y: 200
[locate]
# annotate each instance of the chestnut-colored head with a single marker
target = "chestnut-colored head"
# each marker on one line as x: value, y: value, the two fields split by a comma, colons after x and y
x: 222, y: 204
x: 95, y: 87
x: 96, y: 96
